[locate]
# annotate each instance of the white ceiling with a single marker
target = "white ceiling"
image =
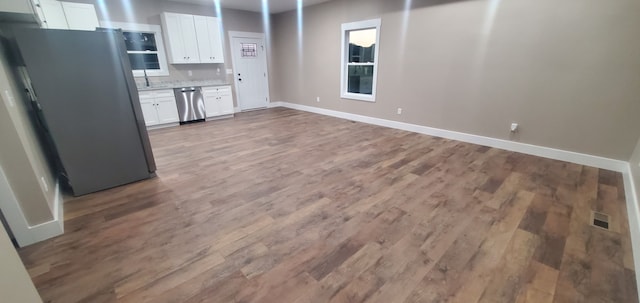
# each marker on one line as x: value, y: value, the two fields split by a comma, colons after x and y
x: 275, y: 6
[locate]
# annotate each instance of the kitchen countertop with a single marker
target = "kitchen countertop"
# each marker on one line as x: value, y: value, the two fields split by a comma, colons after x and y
x: 177, y: 84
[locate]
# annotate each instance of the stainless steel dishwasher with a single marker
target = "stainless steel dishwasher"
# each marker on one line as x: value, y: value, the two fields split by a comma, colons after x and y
x: 190, y: 104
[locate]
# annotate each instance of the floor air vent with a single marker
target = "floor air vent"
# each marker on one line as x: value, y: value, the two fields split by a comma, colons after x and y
x: 600, y: 220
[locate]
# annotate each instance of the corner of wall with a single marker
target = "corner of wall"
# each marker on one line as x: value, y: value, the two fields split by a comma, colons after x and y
x: 631, y: 182
x: 24, y: 233
x: 631, y: 185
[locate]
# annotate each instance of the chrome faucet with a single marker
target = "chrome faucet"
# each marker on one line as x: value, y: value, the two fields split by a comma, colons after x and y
x: 146, y: 79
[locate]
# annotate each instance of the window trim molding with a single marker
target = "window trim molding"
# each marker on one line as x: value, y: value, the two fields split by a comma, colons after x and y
x: 146, y: 28
x: 344, y: 55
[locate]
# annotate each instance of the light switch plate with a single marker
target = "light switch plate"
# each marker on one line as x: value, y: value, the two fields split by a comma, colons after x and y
x: 9, y: 98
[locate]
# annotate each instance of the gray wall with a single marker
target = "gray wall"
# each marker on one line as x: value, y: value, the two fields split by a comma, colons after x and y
x: 15, y: 283
x: 148, y: 12
x: 568, y: 71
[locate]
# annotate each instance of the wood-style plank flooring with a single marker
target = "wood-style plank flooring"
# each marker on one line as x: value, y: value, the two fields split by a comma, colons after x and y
x: 286, y: 206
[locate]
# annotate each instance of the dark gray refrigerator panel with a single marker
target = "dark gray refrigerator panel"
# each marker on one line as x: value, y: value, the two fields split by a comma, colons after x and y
x: 85, y: 89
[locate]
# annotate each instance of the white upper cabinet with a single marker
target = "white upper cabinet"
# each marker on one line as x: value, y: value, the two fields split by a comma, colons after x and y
x: 173, y: 38
x: 80, y: 16
x: 180, y: 34
x: 67, y: 15
x: 209, y: 39
x: 192, y: 39
x: 16, y: 6
x: 52, y: 14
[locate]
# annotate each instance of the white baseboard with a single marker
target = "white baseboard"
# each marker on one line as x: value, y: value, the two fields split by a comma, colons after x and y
x: 277, y: 104
x: 51, y: 228
x: 22, y: 231
x: 623, y: 167
x: 540, y: 151
x: 161, y: 126
x: 633, y: 212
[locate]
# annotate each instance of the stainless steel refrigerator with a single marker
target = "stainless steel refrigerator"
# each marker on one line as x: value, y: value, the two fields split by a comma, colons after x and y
x: 87, y: 107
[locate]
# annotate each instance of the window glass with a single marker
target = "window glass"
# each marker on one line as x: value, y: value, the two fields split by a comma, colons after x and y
x: 145, y: 48
x: 144, y: 61
x: 140, y: 41
x: 142, y: 50
x: 360, y: 79
x: 362, y: 45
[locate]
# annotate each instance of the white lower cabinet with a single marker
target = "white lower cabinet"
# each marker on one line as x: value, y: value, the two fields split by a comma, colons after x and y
x: 149, y: 111
x: 218, y: 101
x: 158, y: 107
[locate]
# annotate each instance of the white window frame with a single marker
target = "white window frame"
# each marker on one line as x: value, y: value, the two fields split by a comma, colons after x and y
x: 344, y: 64
x: 145, y: 28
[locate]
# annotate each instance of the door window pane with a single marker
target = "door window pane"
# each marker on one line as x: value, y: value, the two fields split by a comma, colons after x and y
x: 249, y: 50
x: 360, y: 79
x: 362, y: 45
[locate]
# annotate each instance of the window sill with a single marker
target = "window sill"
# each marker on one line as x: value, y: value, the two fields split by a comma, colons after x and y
x: 359, y: 97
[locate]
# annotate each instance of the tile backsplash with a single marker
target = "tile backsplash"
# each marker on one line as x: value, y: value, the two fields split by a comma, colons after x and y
x: 180, y: 72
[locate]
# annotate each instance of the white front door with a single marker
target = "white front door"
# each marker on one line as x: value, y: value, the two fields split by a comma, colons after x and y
x: 250, y: 71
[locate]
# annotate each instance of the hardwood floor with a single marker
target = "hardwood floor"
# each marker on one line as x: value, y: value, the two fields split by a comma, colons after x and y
x: 286, y: 206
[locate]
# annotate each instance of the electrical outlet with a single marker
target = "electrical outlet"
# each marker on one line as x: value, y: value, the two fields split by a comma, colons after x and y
x: 44, y: 184
x: 514, y: 127
x: 317, y: 99
x: 229, y: 71
x: 399, y: 111
x: 190, y: 73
